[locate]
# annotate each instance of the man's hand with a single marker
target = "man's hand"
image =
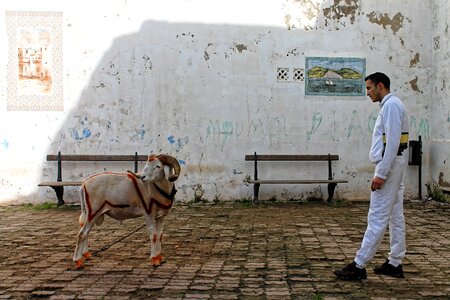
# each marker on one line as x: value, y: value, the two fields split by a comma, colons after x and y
x: 377, y: 182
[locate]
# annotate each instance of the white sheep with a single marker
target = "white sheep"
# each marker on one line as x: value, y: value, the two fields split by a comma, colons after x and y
x: 127, y: 195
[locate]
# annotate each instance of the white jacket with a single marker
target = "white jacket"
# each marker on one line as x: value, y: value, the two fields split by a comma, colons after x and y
x: 392, y: 121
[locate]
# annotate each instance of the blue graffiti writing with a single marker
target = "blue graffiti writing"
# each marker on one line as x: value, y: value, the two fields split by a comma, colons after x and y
x: 372, y: 119
x: 316, y: 121
x: 76, y: 136
x: 178, y: 143
x: 423, y: 129
x: 5, y: 144
x: 227, y: 130
x: 85, y: 132
x: 412, y: 123
x: 141, y: 132
x: 354, y: 125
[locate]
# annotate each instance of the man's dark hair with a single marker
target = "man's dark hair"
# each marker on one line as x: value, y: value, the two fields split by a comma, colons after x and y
x: 379, y: 77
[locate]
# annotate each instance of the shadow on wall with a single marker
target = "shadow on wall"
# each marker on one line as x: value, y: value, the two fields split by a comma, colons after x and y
x: 162, y: 90
x: 154, y: 92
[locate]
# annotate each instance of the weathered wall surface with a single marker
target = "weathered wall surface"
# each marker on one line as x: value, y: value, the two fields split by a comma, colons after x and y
x: 440, y: 126
x: 198, y: 80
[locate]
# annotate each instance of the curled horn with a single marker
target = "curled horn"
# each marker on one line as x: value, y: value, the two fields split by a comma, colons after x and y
x: 171, y: 162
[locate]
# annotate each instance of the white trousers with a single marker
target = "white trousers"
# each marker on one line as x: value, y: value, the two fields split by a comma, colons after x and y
x: 386, y: 208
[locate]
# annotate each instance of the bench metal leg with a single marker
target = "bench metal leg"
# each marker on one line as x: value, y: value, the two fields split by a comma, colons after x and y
x: 59, y: 190
x: 255, y: 193
x: 331, y: 187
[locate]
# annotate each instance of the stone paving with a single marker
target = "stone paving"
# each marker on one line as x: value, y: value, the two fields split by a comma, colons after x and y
x: 222, y: 251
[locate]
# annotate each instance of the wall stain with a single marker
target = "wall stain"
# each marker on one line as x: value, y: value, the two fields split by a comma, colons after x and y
x: 415, y: 60
x: 240, y: 47
x: 414, y: 85
x: 384, y: 20
x: 337, y: 10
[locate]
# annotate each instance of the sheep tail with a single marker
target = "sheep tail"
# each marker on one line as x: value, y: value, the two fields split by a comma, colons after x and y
x: 83, y: 215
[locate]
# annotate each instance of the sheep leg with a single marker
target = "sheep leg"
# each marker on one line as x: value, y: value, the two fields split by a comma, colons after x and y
x: 151, y: 228
x: 81, y: 249
x: 159, y: 229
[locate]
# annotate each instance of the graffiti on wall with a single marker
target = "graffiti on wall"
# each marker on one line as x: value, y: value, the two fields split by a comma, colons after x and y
x: 420, y: 127
x: 335, y: 76
x: 35, y: 69
x: 4, y: 144
x: 226, y: 131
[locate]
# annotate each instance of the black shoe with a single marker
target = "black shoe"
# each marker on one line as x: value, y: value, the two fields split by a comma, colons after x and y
x: 351, y: 272
x: 388, y: 269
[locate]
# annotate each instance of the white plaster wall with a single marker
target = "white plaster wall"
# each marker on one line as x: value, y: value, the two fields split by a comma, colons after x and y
x: 439, y: 151
x: 197, y: 79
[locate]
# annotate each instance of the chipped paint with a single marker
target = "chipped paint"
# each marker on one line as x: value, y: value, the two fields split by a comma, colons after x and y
x: 241, y: 47
x: 413, y: 84
x: 340, y: 9
x: 415, y: 60
x: 384, y: 20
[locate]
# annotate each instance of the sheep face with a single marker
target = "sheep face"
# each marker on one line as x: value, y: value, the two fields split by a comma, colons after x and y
x: 153, y: 170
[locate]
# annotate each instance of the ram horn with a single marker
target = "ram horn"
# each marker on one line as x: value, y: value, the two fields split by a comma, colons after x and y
x: 171, y: 162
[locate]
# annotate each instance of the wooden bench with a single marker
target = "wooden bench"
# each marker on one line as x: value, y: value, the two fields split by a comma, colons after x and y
x: 59, y: 184
x: 444, y: 189
x: 332, y: 183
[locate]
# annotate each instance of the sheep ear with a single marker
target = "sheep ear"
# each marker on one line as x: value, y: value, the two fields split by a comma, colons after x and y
x: 151, y: 157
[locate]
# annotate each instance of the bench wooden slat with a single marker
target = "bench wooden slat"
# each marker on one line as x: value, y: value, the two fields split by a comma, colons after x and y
x: 60, y: 183
x: 85, y: 157
x: 290, y: 157
x: 294, y: 181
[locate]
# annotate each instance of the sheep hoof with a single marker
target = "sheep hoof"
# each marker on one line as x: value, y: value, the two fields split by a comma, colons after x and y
x: 79, y: 264
x: 87, y: 255
x: 155, y: 261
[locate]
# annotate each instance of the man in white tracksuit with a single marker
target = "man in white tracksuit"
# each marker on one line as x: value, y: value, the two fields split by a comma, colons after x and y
x: 389, y: 139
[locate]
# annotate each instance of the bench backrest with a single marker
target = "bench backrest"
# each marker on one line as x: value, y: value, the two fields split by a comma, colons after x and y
x: 290, y: 157
x: 86, y: 157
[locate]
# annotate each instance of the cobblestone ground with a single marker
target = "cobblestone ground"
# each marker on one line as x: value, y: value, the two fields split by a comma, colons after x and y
x: 233, y: 251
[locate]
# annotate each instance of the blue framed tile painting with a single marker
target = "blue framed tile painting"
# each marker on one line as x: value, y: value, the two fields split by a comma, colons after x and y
x: 335, y: 76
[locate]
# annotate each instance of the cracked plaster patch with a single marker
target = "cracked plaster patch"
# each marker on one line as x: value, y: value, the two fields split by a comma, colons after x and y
x: 342, y: 8
x: 384, y: 20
